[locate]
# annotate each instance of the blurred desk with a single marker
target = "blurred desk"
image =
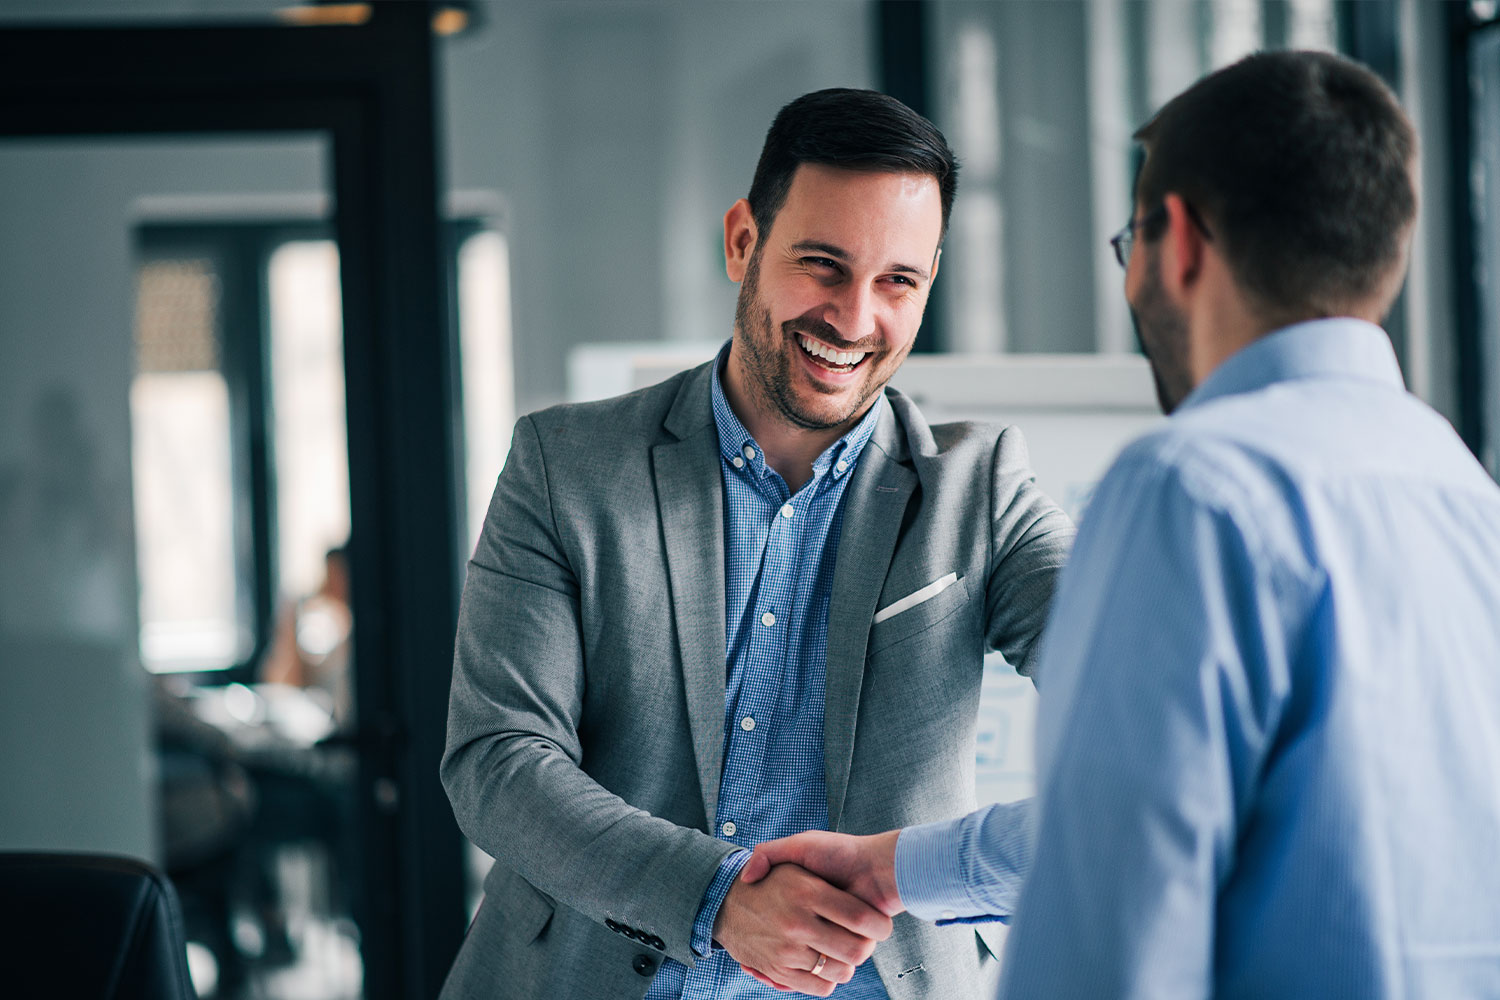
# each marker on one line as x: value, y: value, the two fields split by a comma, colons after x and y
x: 263, y: 886
x: 277, y: 728
x: 255, y: 716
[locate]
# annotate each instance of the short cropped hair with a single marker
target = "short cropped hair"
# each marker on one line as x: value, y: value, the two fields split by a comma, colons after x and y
x: 1303, y: 163
x: 855, y: 130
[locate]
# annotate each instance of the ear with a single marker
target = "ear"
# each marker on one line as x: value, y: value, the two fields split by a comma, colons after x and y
x: 1182, y: 249
x: 740, y: 235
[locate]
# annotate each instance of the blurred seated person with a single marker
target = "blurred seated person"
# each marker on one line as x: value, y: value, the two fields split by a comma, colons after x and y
x: 311, y: 647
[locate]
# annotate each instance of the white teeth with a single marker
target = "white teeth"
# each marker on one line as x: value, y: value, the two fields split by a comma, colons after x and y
x: 829, y: 354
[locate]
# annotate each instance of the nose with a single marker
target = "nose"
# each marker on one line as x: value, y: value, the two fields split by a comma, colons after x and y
x: 853, y: 312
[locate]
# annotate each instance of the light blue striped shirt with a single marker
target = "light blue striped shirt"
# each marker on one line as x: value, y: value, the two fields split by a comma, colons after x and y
x: 1269, y: 732
x: 779, y: 556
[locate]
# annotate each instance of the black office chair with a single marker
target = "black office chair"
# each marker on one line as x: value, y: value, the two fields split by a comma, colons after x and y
x: 89, y: 927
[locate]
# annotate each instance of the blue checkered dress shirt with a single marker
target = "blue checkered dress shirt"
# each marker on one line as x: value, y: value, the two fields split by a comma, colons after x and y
x: 779, y: 553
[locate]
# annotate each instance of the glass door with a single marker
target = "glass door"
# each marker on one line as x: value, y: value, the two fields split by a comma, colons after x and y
x: 175, y: 599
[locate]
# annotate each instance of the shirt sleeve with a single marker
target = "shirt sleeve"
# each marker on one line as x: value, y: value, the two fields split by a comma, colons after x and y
x: 967, y: 870
x: 1159, y: 677
x: 713, y: 898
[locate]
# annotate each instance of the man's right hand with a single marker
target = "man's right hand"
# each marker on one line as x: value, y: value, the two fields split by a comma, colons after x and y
x: 782, y: 923
x: 865, y: 866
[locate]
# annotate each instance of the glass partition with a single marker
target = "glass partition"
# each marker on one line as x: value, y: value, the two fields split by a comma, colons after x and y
x: 1484, y: 67
x: 1040, y: 101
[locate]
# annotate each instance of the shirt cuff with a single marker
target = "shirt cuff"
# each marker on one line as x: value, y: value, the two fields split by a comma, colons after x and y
x: 930, y: 871
x: 939, y: 867
x: 708, y: 910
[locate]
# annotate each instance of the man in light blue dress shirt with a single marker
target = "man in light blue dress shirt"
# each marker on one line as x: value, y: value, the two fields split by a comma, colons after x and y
x: 1269, y: 736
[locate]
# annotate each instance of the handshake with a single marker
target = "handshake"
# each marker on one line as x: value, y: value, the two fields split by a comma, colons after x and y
x: 807, y: 910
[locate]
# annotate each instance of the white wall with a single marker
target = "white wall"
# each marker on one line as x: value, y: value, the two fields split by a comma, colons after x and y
x: 74, y: 721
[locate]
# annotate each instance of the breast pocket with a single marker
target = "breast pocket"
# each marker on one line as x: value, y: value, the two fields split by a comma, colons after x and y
x: 919, y: 617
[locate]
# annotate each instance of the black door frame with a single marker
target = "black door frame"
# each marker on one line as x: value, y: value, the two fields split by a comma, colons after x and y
x: 1464, y: 30
x: 371, y: 89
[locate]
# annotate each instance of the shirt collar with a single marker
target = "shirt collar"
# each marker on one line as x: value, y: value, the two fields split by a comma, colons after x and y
x: 742, y: 451
x: 1341, y: 347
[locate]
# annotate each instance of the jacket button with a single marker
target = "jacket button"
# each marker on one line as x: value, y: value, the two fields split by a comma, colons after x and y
x: 643, y: 964
x: 657, y: 943
x: 612, y: 926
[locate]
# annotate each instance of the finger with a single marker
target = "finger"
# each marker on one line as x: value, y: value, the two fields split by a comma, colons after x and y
x: 834, y: 971
x: 853, y: 914
x: 761, y: 977
x: 804, y: 982
x: 757, y: 868
x: 838, y: 944
x: 791, y: 849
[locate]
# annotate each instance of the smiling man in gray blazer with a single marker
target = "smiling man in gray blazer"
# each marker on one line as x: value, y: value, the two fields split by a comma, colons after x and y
x: 749, y: 601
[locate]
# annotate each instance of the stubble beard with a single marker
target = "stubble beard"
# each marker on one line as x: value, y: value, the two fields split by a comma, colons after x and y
x: 767, y: 360
x: 1166, y: 347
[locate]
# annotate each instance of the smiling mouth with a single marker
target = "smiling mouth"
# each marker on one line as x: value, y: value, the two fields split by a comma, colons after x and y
x: 824, y: 356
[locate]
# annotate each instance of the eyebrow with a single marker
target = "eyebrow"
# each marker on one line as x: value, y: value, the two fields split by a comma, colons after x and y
x: 839, y: 253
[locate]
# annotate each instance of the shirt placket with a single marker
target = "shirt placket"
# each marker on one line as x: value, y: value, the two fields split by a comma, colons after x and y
x: 764, y: 653
x: 797, y: 693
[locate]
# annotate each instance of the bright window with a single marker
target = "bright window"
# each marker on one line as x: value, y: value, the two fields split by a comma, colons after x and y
x: 307, y: 379
x: 191, y: 615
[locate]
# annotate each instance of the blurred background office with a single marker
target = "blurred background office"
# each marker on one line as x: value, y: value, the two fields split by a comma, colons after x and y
x: 277, y: 278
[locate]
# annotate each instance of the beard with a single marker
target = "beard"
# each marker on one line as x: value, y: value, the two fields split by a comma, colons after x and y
x: 1161, y: 332
x: 766, y: 353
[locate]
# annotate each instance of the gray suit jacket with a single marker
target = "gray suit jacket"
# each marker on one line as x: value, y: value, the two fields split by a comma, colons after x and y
x: 586, y: 724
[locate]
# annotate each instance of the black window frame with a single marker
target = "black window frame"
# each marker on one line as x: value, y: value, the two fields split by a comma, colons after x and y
x: 240, y: 251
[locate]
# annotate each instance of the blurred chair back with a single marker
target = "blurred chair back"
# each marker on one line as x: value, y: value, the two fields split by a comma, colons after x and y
x: 90, y: 927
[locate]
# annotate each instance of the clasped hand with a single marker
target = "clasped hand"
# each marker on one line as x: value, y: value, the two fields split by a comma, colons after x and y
x: 811, y: 895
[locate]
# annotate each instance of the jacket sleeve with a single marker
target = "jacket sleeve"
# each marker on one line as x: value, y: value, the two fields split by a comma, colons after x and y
x: 1030, y: 540
x: 512, y: 764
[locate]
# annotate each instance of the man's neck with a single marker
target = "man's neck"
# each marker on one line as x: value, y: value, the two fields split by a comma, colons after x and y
x: 1222, y: 320
x: 789, y: 449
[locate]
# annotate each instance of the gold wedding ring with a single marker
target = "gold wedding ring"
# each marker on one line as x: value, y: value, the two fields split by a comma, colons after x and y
x: 817, y: 968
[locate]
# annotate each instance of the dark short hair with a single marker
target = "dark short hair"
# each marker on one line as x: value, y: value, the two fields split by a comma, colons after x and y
x: 1302, y: 163
x: 855, y: 130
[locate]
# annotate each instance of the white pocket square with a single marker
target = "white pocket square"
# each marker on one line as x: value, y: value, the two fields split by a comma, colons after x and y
x: 916, y: 597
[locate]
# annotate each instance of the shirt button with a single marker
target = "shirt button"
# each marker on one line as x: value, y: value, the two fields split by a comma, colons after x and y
x: 737, y: 462
x: 728, y: 829
x: 841, y: 466
x: 747, y: 723
x: 786, y: 510
x: 749, y: 453
x: 768, y: 619
x: 948, y: 915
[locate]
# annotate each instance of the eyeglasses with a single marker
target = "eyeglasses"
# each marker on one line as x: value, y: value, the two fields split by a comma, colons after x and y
x: 1124, y: 241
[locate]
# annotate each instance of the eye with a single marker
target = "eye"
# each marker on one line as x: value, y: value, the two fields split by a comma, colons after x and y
x: 902, y: 279
x: 821, y: 263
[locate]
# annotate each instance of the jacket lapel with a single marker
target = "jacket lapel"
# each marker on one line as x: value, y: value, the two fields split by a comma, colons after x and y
x: 689, y: 496
x: 873, y: 508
